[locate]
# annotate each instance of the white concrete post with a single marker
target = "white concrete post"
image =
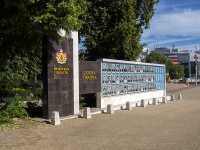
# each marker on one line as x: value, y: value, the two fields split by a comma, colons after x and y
x: 74, y: 36
x: 128, y: 106
x: 172, y: 98
x: 180, y: 97
x: 86, y: 113
x: 155, y: 101
x: 164, y: 100
x: 55, y: 118
x: 143, y: 103
x: 110, y: 109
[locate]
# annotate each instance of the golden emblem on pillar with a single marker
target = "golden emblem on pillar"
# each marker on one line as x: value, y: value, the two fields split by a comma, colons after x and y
x: 61, y: 57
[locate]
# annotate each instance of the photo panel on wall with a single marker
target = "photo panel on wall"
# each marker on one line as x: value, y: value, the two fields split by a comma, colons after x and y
x: 117, y: 81
x: 104, y: 80
x: 108, y: 68
x: 117, y: 68
x: 104, y: 67
x: 113, y: 68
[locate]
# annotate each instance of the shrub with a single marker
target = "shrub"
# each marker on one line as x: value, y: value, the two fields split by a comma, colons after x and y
x: 5, y: 117
x: 16, y: 111
x: 12, y: 111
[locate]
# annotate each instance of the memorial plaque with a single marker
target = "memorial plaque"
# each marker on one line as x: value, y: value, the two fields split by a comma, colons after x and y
x: 89, y: 77
x: 57, y: 77
x: 122, y: 78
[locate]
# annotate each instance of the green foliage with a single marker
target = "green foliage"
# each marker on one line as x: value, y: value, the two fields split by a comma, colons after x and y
x: 12, y: 111
x: 156, y: 57
x: 23, y: 24
x: 82, y: 105
x: 16, y: 111
x: 177, y: 72
x: 5, y: 117
x: 113, y: 29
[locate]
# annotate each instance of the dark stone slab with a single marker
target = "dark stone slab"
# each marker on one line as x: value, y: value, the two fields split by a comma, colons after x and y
x: 89, y: 77
x: 57, y: 77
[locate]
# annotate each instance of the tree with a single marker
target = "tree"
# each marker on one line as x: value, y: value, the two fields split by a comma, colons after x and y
x: 23, y: 24
x: 113, y: 29
x: 177, y: 71
x: 156, y: 57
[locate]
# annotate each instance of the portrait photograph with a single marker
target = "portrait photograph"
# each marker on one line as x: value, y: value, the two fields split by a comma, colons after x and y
x: 125, y: 89
x: 125, y: 69
x: 129, y: 68
x: 104, y: 91
x: 109, y: 81
x: 117, y: 68
x: 129, y: 78
x: 117, y: 90
x: 134, y: 88
x: 117, y: 79
x: 104, y: 67
x: 145, y: 69
x: 113, y: 79
x: 113, y: 90
x: 141, y: 87
x: 113, y: 68
x: 109, y: 91
x: 138, y: 68
x: 141, y: 69
x: 108, y: 67
x: 121, y: 68
x: 135, y: 79
x: 138, y: 87
x: 129, y: 89
x: 125, y: 79
x: 121, y: 89
x: 153, y: 78
x: 154, y: 86
x: 150, y: 87
x: 104, y: 81
x: 121, y: 79
x: 132, y: 68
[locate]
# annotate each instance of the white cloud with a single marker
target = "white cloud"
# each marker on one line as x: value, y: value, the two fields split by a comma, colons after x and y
x: 173, y: 25
x: 184, y: 23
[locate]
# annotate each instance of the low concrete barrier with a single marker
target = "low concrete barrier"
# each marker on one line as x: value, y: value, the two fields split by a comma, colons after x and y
x: 87, y: 113
x: 110, y: 109
x: 172, y: 98
x: 155, y: 101
x: 128, y: 106
x: 55, y: 118
x: 179, y: 97
x: 143, y: 103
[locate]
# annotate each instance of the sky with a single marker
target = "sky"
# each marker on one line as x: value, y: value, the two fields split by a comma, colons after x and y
x: 175, y: 22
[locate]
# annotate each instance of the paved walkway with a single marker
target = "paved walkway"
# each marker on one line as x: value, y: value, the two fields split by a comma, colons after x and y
x: 171, y: 126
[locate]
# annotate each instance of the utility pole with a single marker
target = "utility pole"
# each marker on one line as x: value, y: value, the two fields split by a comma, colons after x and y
x: 196, y: 58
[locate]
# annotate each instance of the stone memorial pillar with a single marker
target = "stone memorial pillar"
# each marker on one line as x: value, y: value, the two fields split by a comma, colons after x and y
x: 60, y: 76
